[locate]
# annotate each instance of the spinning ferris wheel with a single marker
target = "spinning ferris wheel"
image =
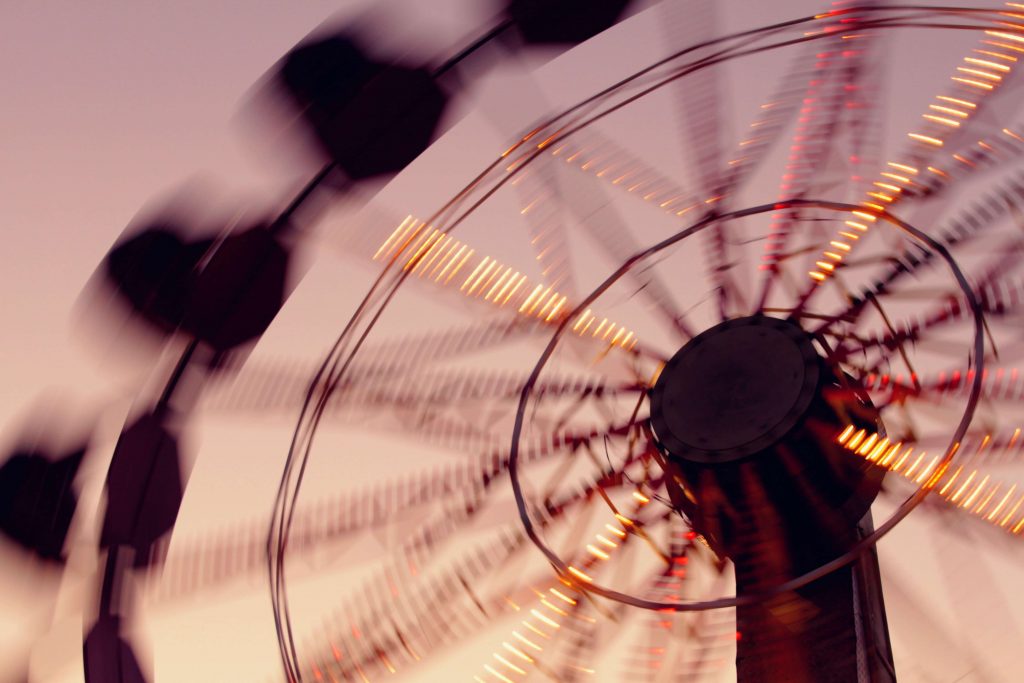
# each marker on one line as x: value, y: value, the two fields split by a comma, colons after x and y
x: 639, y: 352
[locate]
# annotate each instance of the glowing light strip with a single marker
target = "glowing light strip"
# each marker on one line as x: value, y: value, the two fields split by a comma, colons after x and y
x: 554, y: 618
x: 988, y: 82
x: 974, y: 497
x: 427, y: 252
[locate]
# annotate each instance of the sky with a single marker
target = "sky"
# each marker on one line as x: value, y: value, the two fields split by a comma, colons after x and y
x: 110, y: 107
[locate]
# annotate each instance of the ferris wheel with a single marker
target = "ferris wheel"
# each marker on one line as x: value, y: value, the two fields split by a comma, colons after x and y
x: 631, y: 391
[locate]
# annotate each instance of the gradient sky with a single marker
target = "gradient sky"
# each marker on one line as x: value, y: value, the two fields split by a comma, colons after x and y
x: 105, y: 106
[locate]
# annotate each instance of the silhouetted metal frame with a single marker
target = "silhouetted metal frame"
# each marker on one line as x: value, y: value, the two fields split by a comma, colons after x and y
x: 332, y: 371
x: 861, y: 545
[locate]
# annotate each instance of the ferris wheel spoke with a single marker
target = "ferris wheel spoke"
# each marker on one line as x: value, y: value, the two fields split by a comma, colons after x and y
x: 450, y: 599
x: 581, y: 642
x: 699, y: 100
x: 980, y: 143
x: 590, y: 152
x: 964, y: 486
x: 411, y: 247
x: 560, y: 612
x: 972, y: 88
x: 829, y: 141
x: 682, y: 642
x: 999, y: 291
x: 542, y: 203
x: 896, y: 338
x: 1002, y: 384
x: 280, y: 386
x: 426, y: 611
x: 399, y: 618
x: 601, y: 221
x: 543, y: 208
x: 239, y: 550
x: 1000, y: 297
x: 780, y: 109
x: 973, y: 224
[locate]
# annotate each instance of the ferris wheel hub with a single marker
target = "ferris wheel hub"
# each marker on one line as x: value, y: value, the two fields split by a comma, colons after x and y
x: 734, y: 390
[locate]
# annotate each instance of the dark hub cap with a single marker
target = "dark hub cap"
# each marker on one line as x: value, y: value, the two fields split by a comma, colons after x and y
x: 734, y: 390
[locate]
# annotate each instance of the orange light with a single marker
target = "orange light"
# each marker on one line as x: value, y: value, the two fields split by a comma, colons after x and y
x: 969, y: 500
x: 550, y: 622
x: 526, y: 641
x: 984, y: 62
x: 925, y: 139
x: 950, y: 481
x: 876, y: 452
x: 1004, y: 46
x: 941, y: 119
x: 927, y: 470
x: 997, y: 55
x: 580, y: 575
x: 618, y: 532
x: 444, y: 245
x: 976, y: 84
x: 995, y: 511
x: 888, y: 457
x: 949, y: 110
x: 1011, y: 513
x: 866, y: 446
x: 845, y: 434
x: 494, y: 672
x: 1006, y: 36
x: 517, y: 652
x: 424, y: 247
x: 857, y: 439
x: 964, y: 161
x: 1013, y: 135
x: 509, y: 664
x: 536, y: 630
x: 980, y: 73
x: 967, y: 482
x: 912, y: 468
